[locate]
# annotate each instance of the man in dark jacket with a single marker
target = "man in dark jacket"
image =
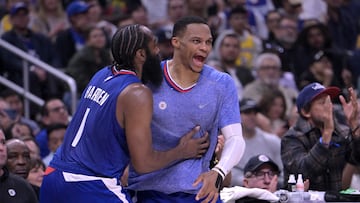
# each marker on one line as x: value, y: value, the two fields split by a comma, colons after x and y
x: 317, y: 146
x: 13, y: 189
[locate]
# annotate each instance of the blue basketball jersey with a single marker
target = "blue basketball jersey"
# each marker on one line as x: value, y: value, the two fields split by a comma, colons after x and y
x: 94, y: 143
x: 212, y: 103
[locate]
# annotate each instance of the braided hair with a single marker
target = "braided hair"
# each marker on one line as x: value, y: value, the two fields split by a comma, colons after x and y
x: 125, y: 43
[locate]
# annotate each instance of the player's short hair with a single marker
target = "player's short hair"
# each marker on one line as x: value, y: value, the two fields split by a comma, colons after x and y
x: 180, y: 25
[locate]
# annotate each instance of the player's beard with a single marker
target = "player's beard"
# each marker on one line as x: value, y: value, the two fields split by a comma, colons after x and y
x: 152, y: 72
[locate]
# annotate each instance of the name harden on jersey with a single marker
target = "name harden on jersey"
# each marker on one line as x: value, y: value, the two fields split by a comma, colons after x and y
x: 96, y: 94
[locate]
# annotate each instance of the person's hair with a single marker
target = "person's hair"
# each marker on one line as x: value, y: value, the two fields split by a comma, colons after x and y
x: 266, y: 55
x: 181, y: 25
x: 271, y: 12
x: 306, y: 109
x: 91, y: 28
x: 42, y: 13
x: 37, y: 163
x: 53, y: 127
x: 44, y: 108
x: 9, y: 92
x: 20, y: 123
x: 231, y: 35
x: 30, y: 138
x: 238, y: 10
x: 132, y: 6
x: 267, y: 101
x: 287, y: 17
x: 125, y: 43
x: 303, y: 36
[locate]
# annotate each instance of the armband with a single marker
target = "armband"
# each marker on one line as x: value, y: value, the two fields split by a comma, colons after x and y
x: 219, y: 181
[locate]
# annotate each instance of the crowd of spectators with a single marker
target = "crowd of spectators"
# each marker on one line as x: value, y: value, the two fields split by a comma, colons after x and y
x: 271, y: 48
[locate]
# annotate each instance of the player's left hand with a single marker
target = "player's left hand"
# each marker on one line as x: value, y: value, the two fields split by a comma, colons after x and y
x: 208, y: 189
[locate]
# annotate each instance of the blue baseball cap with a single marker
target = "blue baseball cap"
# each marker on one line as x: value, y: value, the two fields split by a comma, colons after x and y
x: 77, y: 7
x: 312, y: 91
x: 17, y: 7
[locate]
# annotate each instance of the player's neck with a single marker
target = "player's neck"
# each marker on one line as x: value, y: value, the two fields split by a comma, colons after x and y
x: 182, y: 75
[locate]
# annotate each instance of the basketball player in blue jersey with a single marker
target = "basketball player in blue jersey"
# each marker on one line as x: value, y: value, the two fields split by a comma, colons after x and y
x: 111, y: 128
x: 192, y: 93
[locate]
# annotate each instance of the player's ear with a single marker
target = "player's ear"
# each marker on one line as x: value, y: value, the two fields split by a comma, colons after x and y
x: 175, y: 41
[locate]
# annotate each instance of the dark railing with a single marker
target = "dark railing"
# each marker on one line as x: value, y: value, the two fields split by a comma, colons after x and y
x: 24, y: 90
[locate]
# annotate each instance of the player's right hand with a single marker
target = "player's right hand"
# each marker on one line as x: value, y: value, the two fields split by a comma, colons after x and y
x: 191, y: 147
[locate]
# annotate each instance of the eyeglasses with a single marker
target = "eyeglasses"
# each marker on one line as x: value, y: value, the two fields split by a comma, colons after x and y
x: 260, y: 175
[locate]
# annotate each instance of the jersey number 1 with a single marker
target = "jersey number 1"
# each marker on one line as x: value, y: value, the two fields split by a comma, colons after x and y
x: 81, y: 129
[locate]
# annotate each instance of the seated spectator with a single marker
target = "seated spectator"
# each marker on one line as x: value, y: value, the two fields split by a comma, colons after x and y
x: 268, y: 74
x: 33, y: 146
x: 272, y: 20
x: 320, y: 70
x: 36, y: 173
x: 95, y: 14
x: 16, y: 103
x: 251, y: 45
x: 5, y: 21
x: 35, y: 44
x: 226, y: 51
x: 164, y: 42
x: 87, y: 61
x: 55, y: 135
x: 7, y: 117
x: 49, y: 18
x: 13, y: 188
x: 71, y: 40
x: 261, y: 172
x: 272, y: 113
x: 312, y: 41
x: 256, y: 140
x: 18, y: 161
x: 317, y: 146
x: 53, y: 111
x: 283, y: 43
x: 20, y: 130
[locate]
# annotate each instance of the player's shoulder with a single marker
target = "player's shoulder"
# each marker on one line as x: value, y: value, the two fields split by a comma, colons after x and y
x: 135, y: 90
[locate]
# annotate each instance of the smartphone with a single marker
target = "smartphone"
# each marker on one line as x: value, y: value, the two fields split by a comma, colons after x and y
x: 11, y: 113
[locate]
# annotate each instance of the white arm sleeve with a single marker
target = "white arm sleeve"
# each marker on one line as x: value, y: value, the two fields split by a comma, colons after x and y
x: 234, y: 147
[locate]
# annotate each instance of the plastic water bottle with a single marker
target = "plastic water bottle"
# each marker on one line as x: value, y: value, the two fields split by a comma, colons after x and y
x: 292, y: 183
x: 300, y: 184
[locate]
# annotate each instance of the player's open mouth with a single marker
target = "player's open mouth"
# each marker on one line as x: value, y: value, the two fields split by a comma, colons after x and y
x: 199, y: 60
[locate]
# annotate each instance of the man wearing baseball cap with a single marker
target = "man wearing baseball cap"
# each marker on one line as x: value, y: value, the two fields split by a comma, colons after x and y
x: 317, y: 146
x: 257, y: 142
x: 71, y: 40
x: 261, y: 172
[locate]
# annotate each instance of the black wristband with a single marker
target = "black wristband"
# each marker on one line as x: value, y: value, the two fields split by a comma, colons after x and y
x: 219, y: 181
